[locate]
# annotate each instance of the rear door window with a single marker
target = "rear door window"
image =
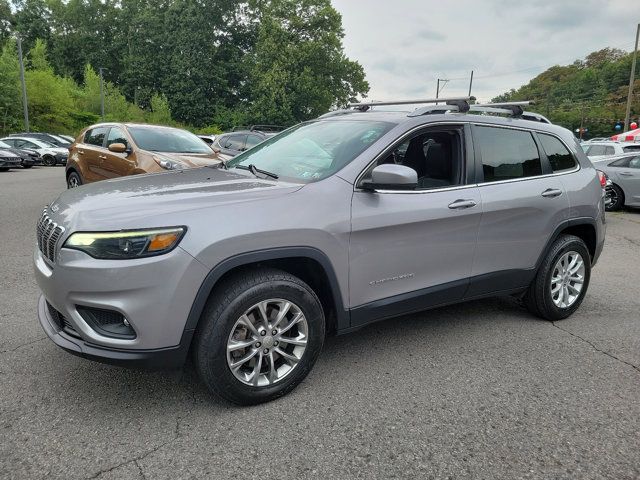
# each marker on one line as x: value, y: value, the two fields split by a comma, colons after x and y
x: 609, y: 150
x: 507, y: 154
x: 623, y: 162
x: 95, y: 136
x: 559, y: 156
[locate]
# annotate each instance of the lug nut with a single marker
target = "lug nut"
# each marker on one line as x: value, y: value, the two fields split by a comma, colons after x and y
x: 258, y: 344
x: 266, y: 350
x: 275, y: 344
x: 263, y: 332
x: 275, y: 332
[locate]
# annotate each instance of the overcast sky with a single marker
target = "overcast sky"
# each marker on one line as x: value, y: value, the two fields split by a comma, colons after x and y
x: 406, y: 45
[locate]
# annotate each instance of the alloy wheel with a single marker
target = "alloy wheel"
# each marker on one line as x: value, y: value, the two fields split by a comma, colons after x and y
x: 267, y: 342
x: 567, y: 279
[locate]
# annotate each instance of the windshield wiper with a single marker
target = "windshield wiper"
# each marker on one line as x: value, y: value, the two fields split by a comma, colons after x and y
x: 255, y: 170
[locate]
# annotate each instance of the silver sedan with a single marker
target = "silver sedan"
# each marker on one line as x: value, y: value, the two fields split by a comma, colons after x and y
x: 624, y: 173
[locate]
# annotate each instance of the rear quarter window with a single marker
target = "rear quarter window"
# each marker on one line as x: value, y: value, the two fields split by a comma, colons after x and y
x: 559, y: 156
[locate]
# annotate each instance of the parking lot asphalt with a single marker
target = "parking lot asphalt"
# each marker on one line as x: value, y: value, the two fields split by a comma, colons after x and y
x: 481, y: 390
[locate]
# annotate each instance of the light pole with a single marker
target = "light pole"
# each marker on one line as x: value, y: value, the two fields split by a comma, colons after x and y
x: 24, y: 85
x: 631, y: 80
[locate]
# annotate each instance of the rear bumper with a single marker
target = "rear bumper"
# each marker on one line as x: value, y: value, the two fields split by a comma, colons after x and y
x: 164, y: 358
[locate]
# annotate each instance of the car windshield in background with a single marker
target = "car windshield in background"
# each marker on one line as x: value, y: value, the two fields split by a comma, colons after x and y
x: 631, y: 148
x: 167, y: 140
x: 313, y: 151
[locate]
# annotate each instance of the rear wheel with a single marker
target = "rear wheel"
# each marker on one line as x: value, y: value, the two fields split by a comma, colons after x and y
x: 74, y: 180
x: 259, y: 336
x: 561, y: 281
x: 615, y: 198
x: 4, y: 169
x: 49, y: 161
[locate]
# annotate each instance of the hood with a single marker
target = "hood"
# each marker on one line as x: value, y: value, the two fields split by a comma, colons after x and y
x: 191, y: 160
x: 58, y: 150
x: 140, y: 199
x: 9, y: 153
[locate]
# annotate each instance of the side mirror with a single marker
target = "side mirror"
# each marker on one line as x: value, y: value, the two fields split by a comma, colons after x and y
x: 392, y: 177
x: 118, y: 148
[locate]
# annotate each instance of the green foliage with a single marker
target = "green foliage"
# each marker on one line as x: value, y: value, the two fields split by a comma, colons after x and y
x: 591, y: 93
x: 10, y: 94
x: 196, y: 62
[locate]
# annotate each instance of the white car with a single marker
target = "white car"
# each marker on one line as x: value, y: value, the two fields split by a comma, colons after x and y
x: 597, y: 150
x: 51, y: 155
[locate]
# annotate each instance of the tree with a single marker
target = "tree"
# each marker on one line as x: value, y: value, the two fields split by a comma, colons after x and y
x: 299, y: 69
x: 6, y: 19
x: 10, y: 94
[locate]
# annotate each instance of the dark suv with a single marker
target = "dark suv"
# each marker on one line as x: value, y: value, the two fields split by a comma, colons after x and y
x: 335, y: 223
x: 241, y: 139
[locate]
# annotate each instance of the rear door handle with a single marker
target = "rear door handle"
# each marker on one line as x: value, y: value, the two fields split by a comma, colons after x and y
x: 460, y: 204
x: 551, y: 192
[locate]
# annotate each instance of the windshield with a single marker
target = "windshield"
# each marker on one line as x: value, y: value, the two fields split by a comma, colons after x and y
x: 167, y: 140
x: 4, y: 145
x: 631, y: 148
x: 312, y: 151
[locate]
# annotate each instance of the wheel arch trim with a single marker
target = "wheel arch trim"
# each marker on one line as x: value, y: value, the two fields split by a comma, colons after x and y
x: 225, y: 266
x: 574, y: 222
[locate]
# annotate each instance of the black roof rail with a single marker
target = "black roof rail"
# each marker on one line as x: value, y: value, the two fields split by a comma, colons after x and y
x: 461, y: 102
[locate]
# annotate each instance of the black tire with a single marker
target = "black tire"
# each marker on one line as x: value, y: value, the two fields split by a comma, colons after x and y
x: 617, y: 198
x: 4, y: 169
x: 49, y: 161
x: 224, y: 308
x: 74, y: 180
x: 538, y: 298
x: 27, y: 166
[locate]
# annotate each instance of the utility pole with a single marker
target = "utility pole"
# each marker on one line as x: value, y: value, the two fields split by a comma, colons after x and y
x: 101, y: 93
x: 470, y: 82
x: 631, y: 80
x: 444, y: 84
x: 24, y: 86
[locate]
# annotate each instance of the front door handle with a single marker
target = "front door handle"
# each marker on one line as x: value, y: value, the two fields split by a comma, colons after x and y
x: 625, y: 174
x: 460, y: 204
x: 103, y: 157
x: 80, y: 152
x: 551, y: 192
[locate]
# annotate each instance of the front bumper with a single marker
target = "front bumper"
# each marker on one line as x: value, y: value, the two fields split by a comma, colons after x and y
x: 61, y: 159
x: 154, y: 294
x: 10, y: 162
x: 162, y: 358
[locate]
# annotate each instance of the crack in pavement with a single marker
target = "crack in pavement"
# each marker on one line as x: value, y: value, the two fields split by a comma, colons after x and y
x: 23, y: 345
x: 604, y: 352
x: 136, y: 460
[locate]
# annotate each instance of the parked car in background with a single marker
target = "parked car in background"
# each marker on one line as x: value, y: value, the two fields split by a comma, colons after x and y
x: 50, y: 154
x: 332, y: 225
x: 208, y: 139
x: 624, y: 173
x: 46, y: 137
x: 8, y: 159
x: 596, y: 150
x: 28, y: 158
x: 240, y: 140
x: 110, y: 150
x: 69, y: 138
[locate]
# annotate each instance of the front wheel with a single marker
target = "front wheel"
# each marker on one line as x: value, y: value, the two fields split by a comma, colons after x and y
x: 74, y: 180
x: 561, y: 281
x: 27, y: 166
x: 259, y: 336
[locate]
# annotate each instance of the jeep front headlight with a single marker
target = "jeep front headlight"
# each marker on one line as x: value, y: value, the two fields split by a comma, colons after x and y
x: 126, y: 244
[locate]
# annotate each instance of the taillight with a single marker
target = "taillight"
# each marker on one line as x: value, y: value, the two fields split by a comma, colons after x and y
x: 603, y: 179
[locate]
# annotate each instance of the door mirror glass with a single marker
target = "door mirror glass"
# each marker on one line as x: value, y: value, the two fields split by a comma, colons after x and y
x: 392, y: 177
x: 118, y: 147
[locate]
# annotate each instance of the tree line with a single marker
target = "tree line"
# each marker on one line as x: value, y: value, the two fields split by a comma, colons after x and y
x: 589, y: 93
x: 206, y: 64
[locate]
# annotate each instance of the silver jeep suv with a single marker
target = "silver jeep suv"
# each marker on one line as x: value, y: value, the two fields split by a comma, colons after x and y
x: 336, y: 223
